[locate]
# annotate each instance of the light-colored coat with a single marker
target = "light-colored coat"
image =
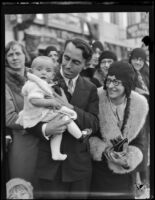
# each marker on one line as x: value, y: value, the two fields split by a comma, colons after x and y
x: 109, y: 130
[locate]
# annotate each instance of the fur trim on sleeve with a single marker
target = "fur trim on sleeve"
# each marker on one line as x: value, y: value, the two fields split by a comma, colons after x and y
x: 97, y: 147
x: 134, y: 158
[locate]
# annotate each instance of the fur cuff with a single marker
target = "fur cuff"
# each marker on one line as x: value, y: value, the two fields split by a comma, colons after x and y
x: 134, y: 158
x: 97, y: 147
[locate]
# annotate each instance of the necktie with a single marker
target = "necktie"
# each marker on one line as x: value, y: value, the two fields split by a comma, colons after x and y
x: 70, y: 86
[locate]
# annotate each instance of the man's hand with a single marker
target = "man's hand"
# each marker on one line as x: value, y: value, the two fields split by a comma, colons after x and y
x: 63, y: 100
x: 55, y: 104
x: 56, y: 126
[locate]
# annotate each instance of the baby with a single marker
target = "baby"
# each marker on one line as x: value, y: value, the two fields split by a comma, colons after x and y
x: 18, y: 188
x: 41, y: 105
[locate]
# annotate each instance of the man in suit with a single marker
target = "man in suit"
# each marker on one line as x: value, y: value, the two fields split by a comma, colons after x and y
x: 70, y: 177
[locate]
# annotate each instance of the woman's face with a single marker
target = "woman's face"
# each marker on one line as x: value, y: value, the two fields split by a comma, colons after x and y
x: 105, y: 64
x: 16, y: 58
x: 137, y: 63
x: 115, y: 88
x: 53, y: 55
x: 96, y: 56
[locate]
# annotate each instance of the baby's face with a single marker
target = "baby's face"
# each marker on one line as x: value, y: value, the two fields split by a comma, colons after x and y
x: 44, y: 69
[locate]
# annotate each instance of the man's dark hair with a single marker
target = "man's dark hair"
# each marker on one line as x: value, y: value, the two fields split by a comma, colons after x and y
x: 147, y: 41
x: 83, y: 45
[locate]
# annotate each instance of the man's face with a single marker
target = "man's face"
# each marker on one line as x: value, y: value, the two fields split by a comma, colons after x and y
x: 72, y: 61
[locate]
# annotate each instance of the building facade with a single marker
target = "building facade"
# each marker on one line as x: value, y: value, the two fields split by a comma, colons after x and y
x: 37, y: 31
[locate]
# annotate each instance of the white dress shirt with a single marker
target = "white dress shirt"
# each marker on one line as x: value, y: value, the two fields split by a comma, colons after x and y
x: 67, y: 80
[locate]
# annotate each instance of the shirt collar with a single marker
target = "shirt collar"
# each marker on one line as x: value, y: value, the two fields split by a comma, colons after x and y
x: 67, y: 80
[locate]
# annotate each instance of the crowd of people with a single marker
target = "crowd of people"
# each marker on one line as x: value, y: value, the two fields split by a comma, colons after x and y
x: 77, y: 124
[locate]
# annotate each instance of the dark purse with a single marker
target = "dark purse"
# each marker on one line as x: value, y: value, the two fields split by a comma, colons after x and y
x: 118, y: 144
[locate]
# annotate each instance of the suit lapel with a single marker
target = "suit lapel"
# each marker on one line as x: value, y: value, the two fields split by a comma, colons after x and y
x: 62, y: 84
x: 79, y: 91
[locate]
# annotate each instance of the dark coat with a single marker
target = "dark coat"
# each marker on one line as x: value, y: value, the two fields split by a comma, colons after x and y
x: 146, y: 129
x: 78, y: 165
x: 89, y: 74
x: 23, y: 150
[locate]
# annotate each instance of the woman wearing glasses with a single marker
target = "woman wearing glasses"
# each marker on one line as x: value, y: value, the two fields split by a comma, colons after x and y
x: 117, y: 150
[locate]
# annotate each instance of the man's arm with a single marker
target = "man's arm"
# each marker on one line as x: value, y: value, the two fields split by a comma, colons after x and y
x: 88, y: 115
x: 54, y: 127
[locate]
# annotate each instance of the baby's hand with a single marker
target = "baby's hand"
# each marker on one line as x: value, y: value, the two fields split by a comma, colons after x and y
x: 55, y: 105
x: 47, y: 97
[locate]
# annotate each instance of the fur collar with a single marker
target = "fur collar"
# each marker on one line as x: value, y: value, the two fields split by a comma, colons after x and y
x: 14, y: 80
x: 137, y: 116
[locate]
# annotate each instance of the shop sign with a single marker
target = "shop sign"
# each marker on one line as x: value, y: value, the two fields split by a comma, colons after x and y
x: 137, y: 30
x: 65, y: 21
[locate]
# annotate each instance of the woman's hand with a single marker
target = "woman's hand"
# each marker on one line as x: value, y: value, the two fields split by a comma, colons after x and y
x: 56, y: 126
x: 119, y: 158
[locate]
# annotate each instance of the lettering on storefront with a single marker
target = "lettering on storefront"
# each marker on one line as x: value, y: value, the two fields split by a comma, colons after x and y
x: 137, y: 30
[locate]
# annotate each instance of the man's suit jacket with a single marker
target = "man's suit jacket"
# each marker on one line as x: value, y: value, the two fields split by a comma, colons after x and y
x: 77, y: 166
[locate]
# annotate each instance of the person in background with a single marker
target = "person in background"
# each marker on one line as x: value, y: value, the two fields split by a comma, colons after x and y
x: 18, y: 188
x: 88, y: 74
x: 41, y: 103
x: 138, y: 61
x: 70, y: 178
x: 90, y: 68
x: 52, y: 52
x: 117, y: 149
x: 105, y: 60
x: 22, y: 151
x: 146, y: 45
x: 97, y: 48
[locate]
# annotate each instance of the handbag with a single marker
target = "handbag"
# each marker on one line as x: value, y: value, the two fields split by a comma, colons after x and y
x: 118, y: 145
